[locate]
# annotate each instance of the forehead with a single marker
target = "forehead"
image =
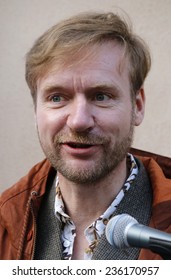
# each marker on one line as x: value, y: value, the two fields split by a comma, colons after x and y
x: 94, y: 63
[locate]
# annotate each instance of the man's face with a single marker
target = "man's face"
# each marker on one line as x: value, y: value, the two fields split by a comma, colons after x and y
x: 85, y: 116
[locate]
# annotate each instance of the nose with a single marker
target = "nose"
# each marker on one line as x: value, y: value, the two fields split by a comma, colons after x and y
x: 80, y: 117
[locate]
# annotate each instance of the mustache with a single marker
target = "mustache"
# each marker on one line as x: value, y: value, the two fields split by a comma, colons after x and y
x: 80, y: 138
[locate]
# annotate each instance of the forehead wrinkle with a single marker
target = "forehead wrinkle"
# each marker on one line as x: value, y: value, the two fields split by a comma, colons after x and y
x: 77, y: 85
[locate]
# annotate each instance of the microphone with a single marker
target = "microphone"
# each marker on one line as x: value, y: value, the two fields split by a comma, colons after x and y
x: 125, y: 231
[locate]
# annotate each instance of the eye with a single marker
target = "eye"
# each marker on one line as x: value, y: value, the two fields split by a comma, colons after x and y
x: 102, y: 97
x: 56, y: 98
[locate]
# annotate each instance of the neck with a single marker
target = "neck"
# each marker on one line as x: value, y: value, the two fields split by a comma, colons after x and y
x: 85, y: 203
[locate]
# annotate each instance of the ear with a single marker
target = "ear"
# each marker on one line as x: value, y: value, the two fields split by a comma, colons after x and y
x: 139, y: 107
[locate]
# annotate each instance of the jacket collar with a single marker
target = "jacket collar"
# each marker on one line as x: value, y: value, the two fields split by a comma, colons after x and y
x: 161, y: 186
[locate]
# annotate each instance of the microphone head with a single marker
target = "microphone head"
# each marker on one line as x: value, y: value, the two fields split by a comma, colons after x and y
x: 116, y: 230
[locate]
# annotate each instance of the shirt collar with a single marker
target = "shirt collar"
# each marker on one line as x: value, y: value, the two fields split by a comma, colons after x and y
x: 59, y: 204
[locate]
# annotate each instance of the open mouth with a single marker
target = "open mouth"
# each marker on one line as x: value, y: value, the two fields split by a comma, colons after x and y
x: 78, y: 149
x: 79, y: 145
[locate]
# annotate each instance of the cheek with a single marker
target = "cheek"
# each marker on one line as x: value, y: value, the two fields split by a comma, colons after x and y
x: 49, y: 123
x: 116, y: 122
x: 44, y: 124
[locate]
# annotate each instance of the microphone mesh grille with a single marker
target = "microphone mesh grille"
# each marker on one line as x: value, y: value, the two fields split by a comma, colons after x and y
x: 116, y: 230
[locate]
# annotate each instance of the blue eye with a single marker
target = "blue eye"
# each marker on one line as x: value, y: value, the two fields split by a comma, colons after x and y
x: 101, y: 97
x: 56, y: 98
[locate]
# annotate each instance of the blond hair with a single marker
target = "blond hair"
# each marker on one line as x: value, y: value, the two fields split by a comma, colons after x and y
x: 70, y: 36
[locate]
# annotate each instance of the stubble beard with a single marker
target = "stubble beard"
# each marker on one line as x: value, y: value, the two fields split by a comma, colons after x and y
x: 110, y: 157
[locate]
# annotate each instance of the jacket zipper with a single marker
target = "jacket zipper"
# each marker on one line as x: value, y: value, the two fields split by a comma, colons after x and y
x: 34, y: 193
x: 29, y: 208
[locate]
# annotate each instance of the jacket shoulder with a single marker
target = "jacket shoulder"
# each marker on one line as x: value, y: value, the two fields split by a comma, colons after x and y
x: 163, y: 161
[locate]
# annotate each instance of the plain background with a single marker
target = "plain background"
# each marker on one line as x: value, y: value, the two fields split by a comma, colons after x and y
x: 22, y: 21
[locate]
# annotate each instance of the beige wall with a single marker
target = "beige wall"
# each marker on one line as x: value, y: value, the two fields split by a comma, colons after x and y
x: 22, y: 21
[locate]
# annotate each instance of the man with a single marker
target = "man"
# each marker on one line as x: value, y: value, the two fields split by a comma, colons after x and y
x: 86, y: 77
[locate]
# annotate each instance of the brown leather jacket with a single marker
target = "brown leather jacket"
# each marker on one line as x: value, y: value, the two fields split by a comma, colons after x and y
x: 19, y: 206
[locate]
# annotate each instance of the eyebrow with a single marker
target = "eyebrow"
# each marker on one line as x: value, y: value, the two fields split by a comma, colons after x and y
x: 101, y: 87
x: 50, y: 88
x: 105, y: 87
